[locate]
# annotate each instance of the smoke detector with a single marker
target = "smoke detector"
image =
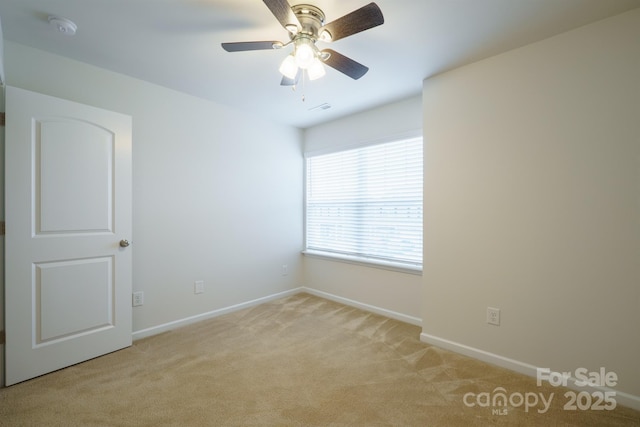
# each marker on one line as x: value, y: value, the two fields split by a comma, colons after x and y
x: 63, y: 25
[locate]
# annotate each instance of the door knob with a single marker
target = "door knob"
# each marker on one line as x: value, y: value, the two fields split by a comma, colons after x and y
x: 124, y: 243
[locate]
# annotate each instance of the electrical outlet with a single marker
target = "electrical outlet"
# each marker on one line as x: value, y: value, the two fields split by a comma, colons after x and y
x: 493, y: 316
x: 138, y: 298
x: 198, y: 287
x: 285, y: 269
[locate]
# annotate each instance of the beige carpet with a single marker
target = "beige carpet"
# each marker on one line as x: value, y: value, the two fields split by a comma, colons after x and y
x: 299, y: 361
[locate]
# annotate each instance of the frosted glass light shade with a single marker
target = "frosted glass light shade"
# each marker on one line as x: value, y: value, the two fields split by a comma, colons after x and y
x: 304, y: 55
x: 316, y: 69
x: 289, y: 68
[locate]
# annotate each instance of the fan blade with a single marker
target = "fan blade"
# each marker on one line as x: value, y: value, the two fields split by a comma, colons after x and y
x: 366, y: 17
x: 243, y: 46
x: 286, y: 81
x: 283, y: 12
x: 345, y: 65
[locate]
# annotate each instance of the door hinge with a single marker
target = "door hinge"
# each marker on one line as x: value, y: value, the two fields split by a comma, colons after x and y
x: 2, y: 337
x: 2, y: 119
x: 2, y: 228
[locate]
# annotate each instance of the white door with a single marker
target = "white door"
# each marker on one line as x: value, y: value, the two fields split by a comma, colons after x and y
x: 68, y: 207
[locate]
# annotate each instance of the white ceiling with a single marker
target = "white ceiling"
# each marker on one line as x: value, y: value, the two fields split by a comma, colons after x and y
x: 176, y: 43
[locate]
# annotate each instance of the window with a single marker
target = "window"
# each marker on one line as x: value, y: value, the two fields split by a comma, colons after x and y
x: 365, y: 204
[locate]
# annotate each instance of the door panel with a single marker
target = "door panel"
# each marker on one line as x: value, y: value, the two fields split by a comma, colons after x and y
x: 74, y: 191
x: 68, y: 204
x: 59, y: 284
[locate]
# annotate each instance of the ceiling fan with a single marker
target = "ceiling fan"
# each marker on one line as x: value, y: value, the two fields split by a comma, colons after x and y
x: 305, y: 24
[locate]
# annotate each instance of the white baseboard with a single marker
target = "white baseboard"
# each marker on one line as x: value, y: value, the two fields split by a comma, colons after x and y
x: 622, y: 398
x: 366, y: 307
x: 154, y: 330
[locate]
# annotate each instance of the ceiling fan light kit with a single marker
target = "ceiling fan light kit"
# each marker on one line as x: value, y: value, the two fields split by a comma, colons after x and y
x: 305, y: 25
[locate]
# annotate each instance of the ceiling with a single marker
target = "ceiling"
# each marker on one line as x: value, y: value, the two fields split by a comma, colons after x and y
x: 176, y: 44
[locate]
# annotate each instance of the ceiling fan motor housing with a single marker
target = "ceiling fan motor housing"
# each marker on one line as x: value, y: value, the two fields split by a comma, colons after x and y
x: 311, y: 19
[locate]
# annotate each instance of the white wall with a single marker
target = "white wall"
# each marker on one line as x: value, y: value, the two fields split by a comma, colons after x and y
x: 216, y: 192
x: 388, y: 290
x: 532, y: 202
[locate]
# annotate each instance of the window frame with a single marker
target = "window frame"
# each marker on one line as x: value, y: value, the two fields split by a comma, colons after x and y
x: 353, y: 259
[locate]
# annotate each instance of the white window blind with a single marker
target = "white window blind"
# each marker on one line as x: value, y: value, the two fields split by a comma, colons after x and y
x: 367, y: 203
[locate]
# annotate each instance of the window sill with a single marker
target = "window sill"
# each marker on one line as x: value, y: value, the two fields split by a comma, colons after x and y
x: 367, y: 262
